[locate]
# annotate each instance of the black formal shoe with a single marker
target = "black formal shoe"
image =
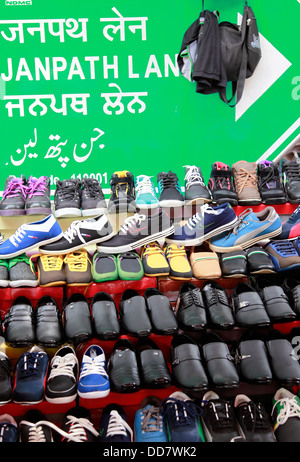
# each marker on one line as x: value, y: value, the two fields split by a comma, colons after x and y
x: 133, y: 314
x: 219, y: 362
x: 105, y: 316
x: 18, y: 324
x: 154, y: 371
x: 49, y: 329
x: 77, y: 320
x: 187, y: 369
x: 217, y: 305
x: 283, y: 359
x: 123, y: 367
x: 248, y: 307
x: 275, y: 300
x: 291, y: 288
x: 259, y: 261
x: 5, y: 378
x: 190, y: 309
x: 234, y: 264
x: 160, y: 312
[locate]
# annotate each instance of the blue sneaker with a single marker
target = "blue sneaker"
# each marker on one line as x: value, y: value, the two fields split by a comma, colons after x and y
x: 149, y: 426
x: 30, y: 236
x: 291, y: 228
x: 250, y: 228
x: 8, y: 429
x: 205, y: 224
x: 182, y: 417
x: 93, y: 379
x: 30, y: 376
x: 145, y: 194
x: 114, y: 427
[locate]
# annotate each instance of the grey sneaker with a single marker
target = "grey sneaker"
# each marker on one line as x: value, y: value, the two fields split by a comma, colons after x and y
x: 246, y: 182
x: 92, y: 198
x: 38, y: 196
x: 14, y: 196
x: 78, y: 268
x: 21, y: 273
x: 196, y: 192
x: 50, y: 270
x: 67, y: 198
x: 4, y: 273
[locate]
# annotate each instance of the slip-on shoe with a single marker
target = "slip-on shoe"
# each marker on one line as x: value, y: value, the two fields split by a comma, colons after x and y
x: 249, y: 309
x: 259, y: 261
x: 154, y: 371
x: 283, y: 359
x: 77, y: 320
x: 160, y: 312
x: 275, y: 300
x: 133, y: 314
x: 123, y: 367
x: 18, y: 324
x: 234, y: 264
x: 105, y: 316
x: 49, y: 329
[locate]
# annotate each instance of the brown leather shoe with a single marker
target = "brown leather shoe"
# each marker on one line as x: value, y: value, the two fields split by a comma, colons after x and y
x: 205, y: 262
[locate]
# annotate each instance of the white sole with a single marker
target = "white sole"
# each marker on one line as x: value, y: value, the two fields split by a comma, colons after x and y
x: 94, y: 394
x: 167, y: 204
x: 23, y: 283
x: 19, y: 252
x: 62, y: 400
x: 68, y: 213
x: 73, y: 249
x: 93, y: 212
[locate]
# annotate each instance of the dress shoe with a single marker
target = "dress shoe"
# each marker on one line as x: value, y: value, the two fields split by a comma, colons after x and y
x: 234, y: 264
x: 259, y: 261
x: 275, y: 300
x: 160, y: 312
x: 105, y: 316
x: 77, y: 320
x: 283, y: 359
x: 248, y: 307
x: 217, y: 305
x: 291, y: 288
x: 123, y: 367
x: 49, y: 330
x: 133, y: 314
x: 154, y: 371
x: 18, y: 324
x: 190, y: 309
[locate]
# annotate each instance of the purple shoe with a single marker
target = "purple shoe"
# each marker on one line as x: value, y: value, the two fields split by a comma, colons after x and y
x: 38, y: 196
x: 14, y: 197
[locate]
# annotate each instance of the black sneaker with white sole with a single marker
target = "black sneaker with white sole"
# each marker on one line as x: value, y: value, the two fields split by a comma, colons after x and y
x: 67, y: 198
x: 138, y: 230
x: 79, y: 234
x: 92, y: 198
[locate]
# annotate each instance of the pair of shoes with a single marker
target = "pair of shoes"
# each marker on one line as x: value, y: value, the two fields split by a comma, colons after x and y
x: 145, y: 193
x: 285, y: 254
x: 131, y: 367
x: 169, y: 190
x: 126, y: 266
x: 22, y: 197
x: 240, y: 263
x: 242, y: 420
x: 270, y: 183
x: 149, y: 425
x: 204, y: 262
x: 73, y: 198
x: 24, y: 326
x: 195, y: 308
x: 138, y: 230
x: 17, y: 272
x: 31, y: 235
x: 196, y: 192
x: 221, y: 184
x: 290, y: 171
x: 286, y: 416
x: 122, y: 196
x: 250, y: 229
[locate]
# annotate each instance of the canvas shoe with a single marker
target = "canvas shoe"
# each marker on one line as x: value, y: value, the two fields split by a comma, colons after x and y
x: 290, y: 170
x: 4, y: 273
x: 169, y: 190
x: 137, y: 231
x: 78, y: 268
x: 50, y: 269
x: 34, y: 427
x: 122, y: 197
x: 14, y: 196
x: 246, y: 182
x: 31, y: 235
x: 250, y: 228
x: 104, y: 267
x: 114, y: 427
x: 67, y: 198
x: 21, y: 273
x: 291, y: 227
x: 78, y: 427
x: 283, y: 254
x: 38, y: 196
x: 205, y: 224
x: 61, y: 384
x: 93, y: 379
x: 92, y: 198
x: 178, y: 262
x: 80, y: 234
x: 196, y: 192
x: 130, y: 267
x: 269, y: 183
x: 149, y: 426
x: 221, y: 185
x: 154, y: 260
x: 286, y: 416
x: 8, y: 429
x: 145, y: 193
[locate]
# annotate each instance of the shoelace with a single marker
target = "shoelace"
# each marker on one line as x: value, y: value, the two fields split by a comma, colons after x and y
x: 285, y: 247
x: 63, y: 366
x: 292, y: 171
x: 118, y: 426
x: 181, y: 412
x: 254, y: 417
x: 217, y: 295
x: 244, y: 179
x: 193, y: 176
x: 131, y: 222
x: 198, y: 217
x: 68, y: 192
x: 14, y: 188
x: 169, y: 180
x: 153, y: 249
x: 93, y: 368
x: 174, y: 251
x: 223, y: 177
x: 152, y: 419
x: 145, y: 186
x: 241, y: 220
x: 91, y: 187
x: 77, y: 261
x: 272, y: 176
x: 36, y: 187
x: 192, y: 297
x: 18, y: 235
x: 73, y: 231
x: 290, y: 408
x: 49, y: 262
x: 221, y: 413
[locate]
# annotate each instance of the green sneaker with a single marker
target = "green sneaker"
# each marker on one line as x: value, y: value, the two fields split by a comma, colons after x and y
x: 104, y: 267
x: 130, y: 267
x: 4, y: 274
x: 286, y: 416
x: 21, y: 272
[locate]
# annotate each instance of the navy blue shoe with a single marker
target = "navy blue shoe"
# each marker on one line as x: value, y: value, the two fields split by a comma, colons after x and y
x: 206, y: 223
x: 284, y: 254
x: 8, y: 429
x: 114, y: 427
x: 291, y: 228
x: 30, y: 376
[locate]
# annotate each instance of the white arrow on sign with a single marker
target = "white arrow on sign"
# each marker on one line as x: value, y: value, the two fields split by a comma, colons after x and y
x: 271, y: 66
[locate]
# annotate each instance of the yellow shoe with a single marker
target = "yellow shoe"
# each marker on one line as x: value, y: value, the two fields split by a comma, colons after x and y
x: 154, y: 260
x: 50, y: 270
x: 78, y: 268
x: 180, y: 267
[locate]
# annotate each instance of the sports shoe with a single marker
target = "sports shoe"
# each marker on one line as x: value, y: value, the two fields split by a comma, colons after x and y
x: 78, y: 268
x: 269, y: 183
x: 38, y: 196
x: 5, y: 378
x: 104, y: 267
x: 196, y: 192
x: 114, y: 427
x: 31, y: 235
x: 137, y: 231
x: 246, y: 182
x: 205, y: 224
x: 169, y: 190
x: 145, y: 193
x: 286, y: 416
x: 50, y: 269
x: 14, y: 196
x: 250, y: 228
x: 291, y: 227
x: 80, y: 234
x: 77, y: 426
x: 30, y: 376
x: 93, y: 379
x: 178, y: 261
x: 154, y: 260
x: 4, y: 273
x: 36, y: 428
x: 182, y: 417
x: 21, y: 273
x: 122, y: 197
x: 61, y: 384
x: 290, y: 170
x: 221, y: 184
x: 284, y: 255
x: 8, y: 429
x: 92, y: 198
x: 130, y: 267
x: 149, y: 426
x: 67, y: 198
